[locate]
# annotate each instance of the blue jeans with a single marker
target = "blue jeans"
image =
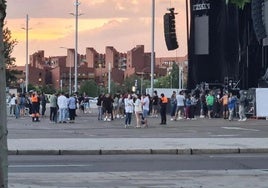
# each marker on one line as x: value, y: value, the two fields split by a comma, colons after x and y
x: 62, y: 114
x: 17, y: 111
x: 100, y: 112
x: 128, y: 118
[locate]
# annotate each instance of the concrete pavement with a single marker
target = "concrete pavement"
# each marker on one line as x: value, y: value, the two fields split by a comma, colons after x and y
x: 88, y: 136
x: 143, y: 179
x: 98, y: 146
x: 140, y: 143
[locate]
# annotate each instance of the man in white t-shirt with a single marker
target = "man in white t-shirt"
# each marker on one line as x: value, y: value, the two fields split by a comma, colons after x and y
x: 62, y: 102
x: 145, y: 107
x: 180, y: 105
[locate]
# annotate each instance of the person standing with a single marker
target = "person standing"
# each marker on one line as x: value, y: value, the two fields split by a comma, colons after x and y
x: 180, y: 105
x: 72, y: 108
x: 145, y: 108
x: 18, y: 101
x: 22, y: 104
x: 231, y: 106
x: 99, y: 104
x: 224, y: 101
x: 43, y: 104
x: 173, y: 105
x: 53, y: 108
x: 163, y: 109
x: 138, y: 110
x: 121, y: 106
x: 155, y: 101
x: 242, y: 104
x: 203, y: 105
x: 12, y: 103
x: 62, y: 104
x: 188, y: 104
x: 107, y: 107
x: 210, y: 103
x: 35, y: 107
x: 194, y: 101
x: 128, y: 109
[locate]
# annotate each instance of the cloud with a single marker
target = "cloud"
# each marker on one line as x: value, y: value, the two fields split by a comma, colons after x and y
x: 119, y: 23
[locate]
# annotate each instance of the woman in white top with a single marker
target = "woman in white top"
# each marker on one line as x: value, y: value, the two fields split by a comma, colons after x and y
x: 128, y: 109
x: 138, y: 109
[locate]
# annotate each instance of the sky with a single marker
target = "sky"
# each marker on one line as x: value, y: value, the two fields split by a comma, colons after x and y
x: 122, y: 24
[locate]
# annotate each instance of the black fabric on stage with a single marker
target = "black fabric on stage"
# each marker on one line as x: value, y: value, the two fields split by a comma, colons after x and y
x: 234, y: 51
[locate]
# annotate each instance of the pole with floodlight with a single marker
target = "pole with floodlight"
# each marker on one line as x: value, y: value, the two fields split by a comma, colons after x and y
x: 27, y: 54
x: 152, y: 53
x: 109, y: 77
x: 76, y: 43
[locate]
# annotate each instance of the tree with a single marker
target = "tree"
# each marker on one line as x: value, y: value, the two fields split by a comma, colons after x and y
x: 175, y: 75
x: 239, y: 3
x: 129, y: 82
x: 3, y: 115
x: 9, y: 45
x: 90, y: 88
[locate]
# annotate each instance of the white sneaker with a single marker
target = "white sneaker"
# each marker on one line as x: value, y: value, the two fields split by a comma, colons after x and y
x: 245, y: 119
x: 202, y: 116
x: 240, y: 120
x: 171, y: 119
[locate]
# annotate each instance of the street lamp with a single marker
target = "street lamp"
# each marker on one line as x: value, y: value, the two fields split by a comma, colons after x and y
x: 109, y: 78
x: 76, y: 4
x: 27, y: 59
x: 180, y: 77
x: 39, y: 82
x: 152, y: 53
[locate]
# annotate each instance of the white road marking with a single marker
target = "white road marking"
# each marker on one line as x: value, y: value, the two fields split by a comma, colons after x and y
x: 239, y: 128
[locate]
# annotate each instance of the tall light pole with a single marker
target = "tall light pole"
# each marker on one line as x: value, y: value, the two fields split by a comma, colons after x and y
x: 180, y: 77
x: 152, y: 53
x: 76, y: 43
x: 109, y: 77
x: 27, y: 54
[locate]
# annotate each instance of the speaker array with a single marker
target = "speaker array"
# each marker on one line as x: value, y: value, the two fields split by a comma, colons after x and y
x: 170, y: 30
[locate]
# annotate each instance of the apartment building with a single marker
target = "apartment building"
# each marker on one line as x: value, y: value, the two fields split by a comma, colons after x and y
x: 58, y: 71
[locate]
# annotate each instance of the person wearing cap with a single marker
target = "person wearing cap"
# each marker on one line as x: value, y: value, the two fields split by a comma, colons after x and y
x: 163, y: 109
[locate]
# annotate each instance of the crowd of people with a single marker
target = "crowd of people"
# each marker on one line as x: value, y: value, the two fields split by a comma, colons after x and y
x: 183, y: 105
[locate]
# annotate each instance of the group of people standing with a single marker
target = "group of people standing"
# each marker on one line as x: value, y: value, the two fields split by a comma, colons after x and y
x: 125, y: 105
x: 183, y: 105
x: 22, y: 105
x: 210, y: 104
x: 62, y: 106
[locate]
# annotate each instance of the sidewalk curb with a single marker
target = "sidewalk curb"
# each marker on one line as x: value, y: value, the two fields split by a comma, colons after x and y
x: 189, y: 151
